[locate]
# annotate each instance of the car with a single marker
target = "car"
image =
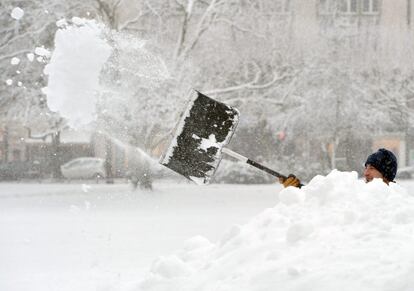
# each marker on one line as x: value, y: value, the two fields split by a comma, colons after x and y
x: 84, y: 168
x: 405, y: 173
x: 16, y: 170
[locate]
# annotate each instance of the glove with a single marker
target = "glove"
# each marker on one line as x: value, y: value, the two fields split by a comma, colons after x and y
x: 291, y: 180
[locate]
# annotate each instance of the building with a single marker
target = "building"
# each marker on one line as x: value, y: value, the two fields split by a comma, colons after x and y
x: 17, y: 146
x: 377, y: 21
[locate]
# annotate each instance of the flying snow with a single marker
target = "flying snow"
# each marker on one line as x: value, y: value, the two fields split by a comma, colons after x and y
x: 17, y: 13
x: 336, y: 233
x: 74, y: 70
x: 61, y: 22
x: 9, y: 82
x: 136, y: 62
x: 41, y: 51
x: 83, y: 49
x: 15, y: 61
x: 79, y: 21
x: 30, y: 57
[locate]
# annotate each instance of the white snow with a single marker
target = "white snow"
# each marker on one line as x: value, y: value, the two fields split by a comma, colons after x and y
x: 190, y: 6
x: 42, y: 52
x: 9, y: 82
x: 74, y: 70
x: 61, y: 22
x: 86, y: 188
x: 19, y: 83
x: 96, y: 237
x: 208, y: 143
x: 17, y: 13
x: 135, y: 62
x: 30, y: 57
x: 79, y: 21
x: 337, y: 233
x: 15, y: 61
x: 198, y: 180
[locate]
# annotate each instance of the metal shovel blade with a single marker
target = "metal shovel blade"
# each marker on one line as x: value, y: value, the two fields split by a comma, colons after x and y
x: 203, y: 130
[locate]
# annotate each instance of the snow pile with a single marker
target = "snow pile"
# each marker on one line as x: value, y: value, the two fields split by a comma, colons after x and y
x: 74, y: 70
x: 336, y: 233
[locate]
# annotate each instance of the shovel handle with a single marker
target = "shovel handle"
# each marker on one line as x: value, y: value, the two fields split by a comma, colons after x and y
x: 266, y: 169
x: 254, y: 164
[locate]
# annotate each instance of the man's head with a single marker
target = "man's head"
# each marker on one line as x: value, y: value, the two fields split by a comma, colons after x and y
x: 381, y: 164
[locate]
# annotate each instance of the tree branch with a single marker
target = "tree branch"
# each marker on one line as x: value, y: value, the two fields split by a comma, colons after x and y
x: 242, y: 29
x: 16, y: 53
x: 201, y: 27
x: 183, y: 32
x: 250, y: 85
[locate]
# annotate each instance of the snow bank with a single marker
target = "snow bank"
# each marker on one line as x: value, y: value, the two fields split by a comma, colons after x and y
x: 74, y: 70
x: 336, y: 233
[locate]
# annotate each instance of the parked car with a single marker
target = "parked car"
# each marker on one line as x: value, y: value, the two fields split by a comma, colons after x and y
x: 405, y: 173
x: 84, y: 168
x: 19, y: 170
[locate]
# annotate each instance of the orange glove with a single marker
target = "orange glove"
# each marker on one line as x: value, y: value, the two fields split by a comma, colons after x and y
x: 291, y: 180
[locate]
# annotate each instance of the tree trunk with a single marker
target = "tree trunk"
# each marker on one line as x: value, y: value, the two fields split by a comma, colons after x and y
x: 6, y: 144
x: 335, y: 142
x: 108, y: 161
x: 56, y: 156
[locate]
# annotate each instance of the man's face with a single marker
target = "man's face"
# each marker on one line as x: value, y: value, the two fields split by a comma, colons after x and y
x: 370, y: 173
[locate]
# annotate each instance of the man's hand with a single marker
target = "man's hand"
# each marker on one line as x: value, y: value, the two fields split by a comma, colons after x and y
x: 291, y: 180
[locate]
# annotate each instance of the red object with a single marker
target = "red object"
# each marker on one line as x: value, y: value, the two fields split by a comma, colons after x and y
x: 281, y: 135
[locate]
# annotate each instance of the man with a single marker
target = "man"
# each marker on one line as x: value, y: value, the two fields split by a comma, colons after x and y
x: 382, y: 164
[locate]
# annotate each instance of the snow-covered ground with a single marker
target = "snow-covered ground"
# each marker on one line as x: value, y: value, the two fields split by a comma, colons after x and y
x: 108, y: 237
x: 105, y: 237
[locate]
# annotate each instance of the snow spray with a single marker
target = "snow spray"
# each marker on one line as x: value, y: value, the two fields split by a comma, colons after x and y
x: 83, y: 48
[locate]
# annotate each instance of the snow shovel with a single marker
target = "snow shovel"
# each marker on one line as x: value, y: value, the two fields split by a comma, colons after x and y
x: 199, y: 140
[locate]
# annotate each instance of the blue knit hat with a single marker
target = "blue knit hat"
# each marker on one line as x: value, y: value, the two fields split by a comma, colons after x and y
x: 385, y: 162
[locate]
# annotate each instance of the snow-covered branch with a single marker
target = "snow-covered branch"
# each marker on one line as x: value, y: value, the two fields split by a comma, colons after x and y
x: 183, y: 31
x: 253, y: 85
x: 239, y: 27
x: 15, y: 53
x: 205, y: 21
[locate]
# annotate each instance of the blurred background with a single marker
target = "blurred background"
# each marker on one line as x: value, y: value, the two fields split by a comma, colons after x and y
x: 320, y: 84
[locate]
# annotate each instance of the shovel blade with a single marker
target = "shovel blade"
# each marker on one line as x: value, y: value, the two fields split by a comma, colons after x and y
x: 203, y: 130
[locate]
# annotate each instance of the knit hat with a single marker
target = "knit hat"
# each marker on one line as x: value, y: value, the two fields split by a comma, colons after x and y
x: 385, y: 162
